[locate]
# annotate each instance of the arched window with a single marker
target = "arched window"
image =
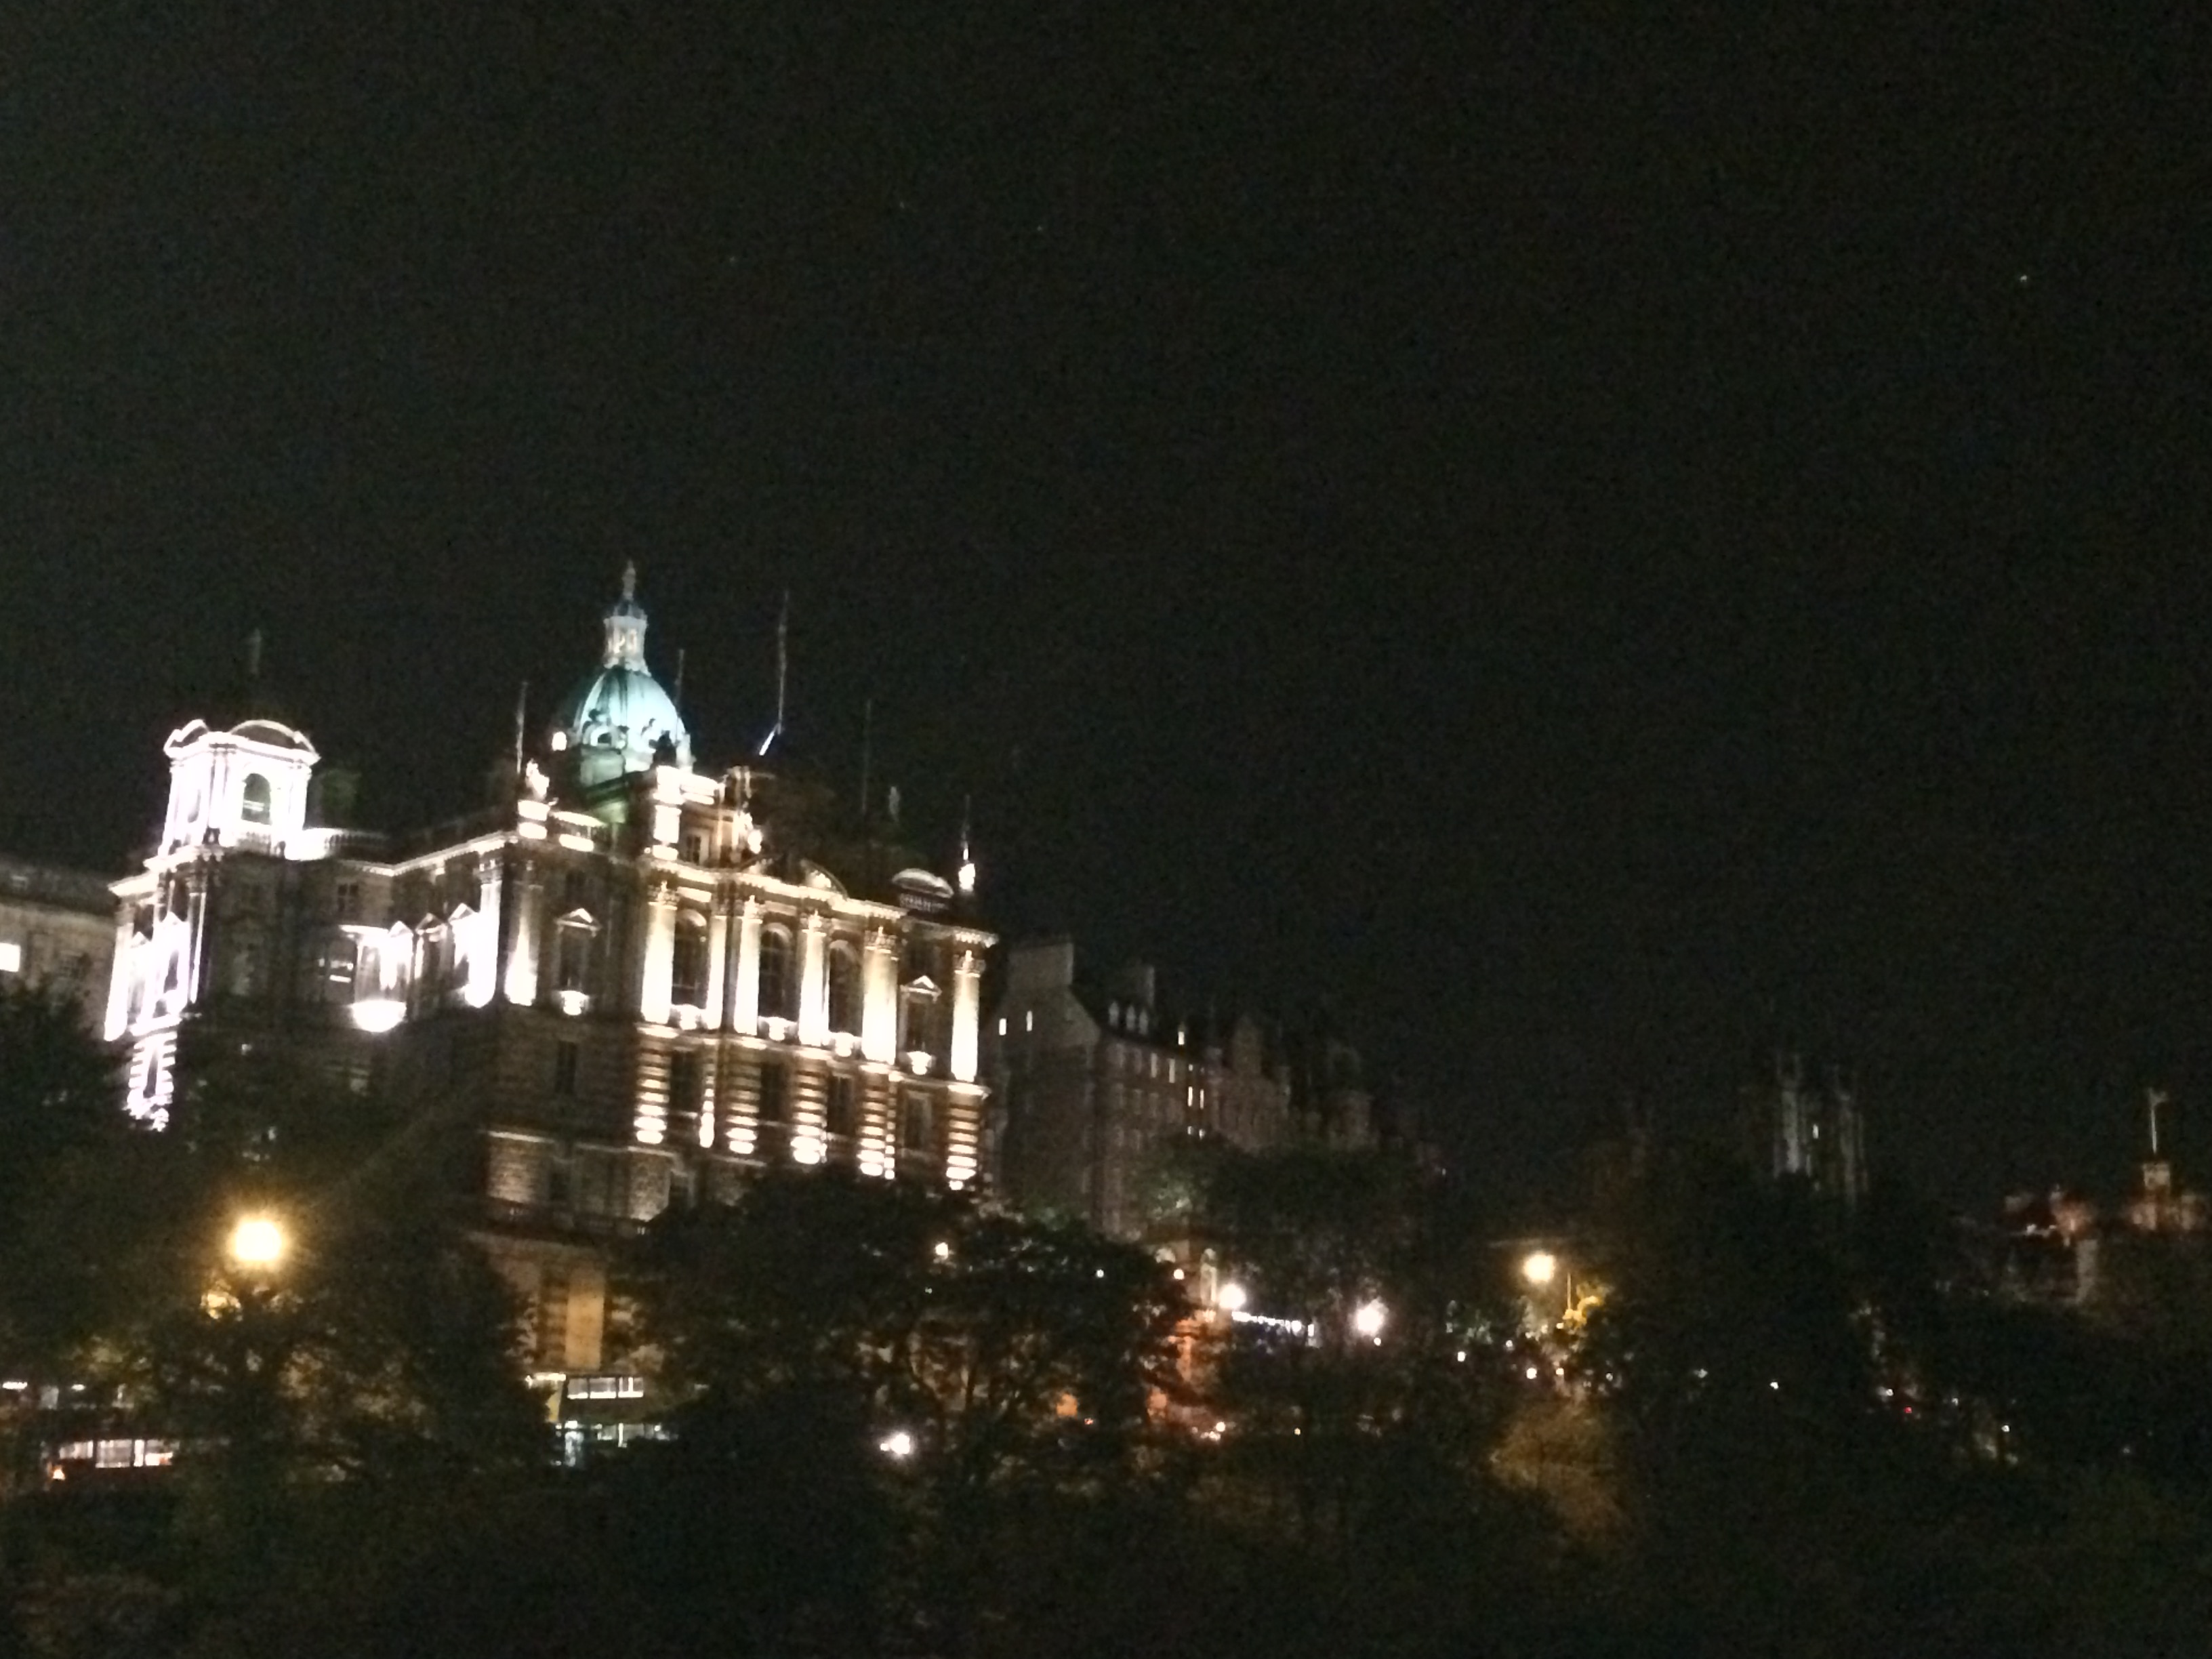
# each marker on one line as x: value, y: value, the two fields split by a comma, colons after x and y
x: 779, y: 986
x: 687, y: 979
x: 253, y: 800
x: 844, y: 988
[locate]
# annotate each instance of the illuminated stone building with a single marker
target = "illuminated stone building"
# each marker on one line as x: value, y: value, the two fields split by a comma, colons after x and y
x: 634, y: 979
x: 1089, y: 1079
x: 1797, y: 1129
x: 56, y: 929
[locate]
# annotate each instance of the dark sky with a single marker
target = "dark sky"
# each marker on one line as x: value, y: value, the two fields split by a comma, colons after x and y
x: 1601, y: 539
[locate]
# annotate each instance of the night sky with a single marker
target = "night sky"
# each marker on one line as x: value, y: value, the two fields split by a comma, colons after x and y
x: 1600, y: 539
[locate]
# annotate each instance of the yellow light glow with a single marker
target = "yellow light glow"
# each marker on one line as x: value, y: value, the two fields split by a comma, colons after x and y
x: 1231, y: 1297
x: 1540, y: 1266
x: 378, y: 1014
x: 1369, y: 1319
x: 256, y: 1242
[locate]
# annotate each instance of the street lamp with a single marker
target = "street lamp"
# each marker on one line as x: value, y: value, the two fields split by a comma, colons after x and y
x: 1230, y: 1298
x: 1540, y: 1266
x: 257, y: 1243
x: 897, y: 1443
x: 1368, y: 1320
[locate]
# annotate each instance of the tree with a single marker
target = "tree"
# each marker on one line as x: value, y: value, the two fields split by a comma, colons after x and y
x: 1002, y: 1345
x: 60, y: 1124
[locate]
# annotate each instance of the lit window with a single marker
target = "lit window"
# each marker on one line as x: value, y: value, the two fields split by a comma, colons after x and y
x: 11, y: 956
x: 1002, y: 1025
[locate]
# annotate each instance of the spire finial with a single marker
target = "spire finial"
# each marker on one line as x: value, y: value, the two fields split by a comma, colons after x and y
x: 867, y: 745
x: 782, y: 655
x: 629, y: 581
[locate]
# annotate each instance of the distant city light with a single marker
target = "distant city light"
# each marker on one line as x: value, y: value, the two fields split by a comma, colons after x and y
x: 898, y: 1443
x: 1540, y: 1266
x: 942, y: 1250
x: 1369, y: 1320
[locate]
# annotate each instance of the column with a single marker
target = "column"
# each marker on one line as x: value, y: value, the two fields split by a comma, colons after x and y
x: 718, y: 959
x: 967, y: 1017
x: 880, y: 1013
x: 744, y: 996
x: 814, y: 982
x: 119, y: 980
x: 521, y: 976
x: 659, y: 953
x: 484, y: 936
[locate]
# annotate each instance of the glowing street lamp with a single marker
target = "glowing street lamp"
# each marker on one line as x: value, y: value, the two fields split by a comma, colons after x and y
x: 1540, y: 1266
x: 1231, y: 1298
x: 897, y: 1443
x: 257, y: 1242
x: 1369, y: 1318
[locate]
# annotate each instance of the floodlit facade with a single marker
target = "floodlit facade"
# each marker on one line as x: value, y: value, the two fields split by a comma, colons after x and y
x: 1091, y: 1079
x: 634, y: 979
x: 56, y: 929
x: 1797, y: 1129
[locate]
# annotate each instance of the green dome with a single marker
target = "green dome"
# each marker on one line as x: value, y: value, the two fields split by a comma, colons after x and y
x: 617, y: 718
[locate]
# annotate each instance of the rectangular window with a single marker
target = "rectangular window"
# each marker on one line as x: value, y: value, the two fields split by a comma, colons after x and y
x: 694, y: 848
x: 346, y: 901
x: 684, y: 1080
x: 602, y: 1183
x: 775, y: 1094
x: 843, y: 1118
x: 553, y: 1317
x: 11, y: 956
x: 915, y: 1122
x: 564, y: 1069
x: 575, y: 956
x: 687, y: 977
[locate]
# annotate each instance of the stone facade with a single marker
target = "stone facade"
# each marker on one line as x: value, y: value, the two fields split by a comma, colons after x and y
x: 1091, y: 1079
x: 56, y: 928
x: 636, y: 980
